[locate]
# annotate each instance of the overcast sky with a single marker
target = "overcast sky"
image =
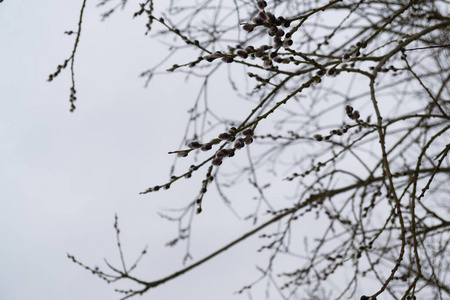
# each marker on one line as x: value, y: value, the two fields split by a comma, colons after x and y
x: 64, y: 175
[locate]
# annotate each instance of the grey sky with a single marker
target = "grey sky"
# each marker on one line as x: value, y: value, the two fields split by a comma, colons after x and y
x: 63, y: 175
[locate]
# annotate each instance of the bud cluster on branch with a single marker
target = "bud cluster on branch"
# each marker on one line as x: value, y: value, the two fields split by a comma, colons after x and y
x: 352, y: 99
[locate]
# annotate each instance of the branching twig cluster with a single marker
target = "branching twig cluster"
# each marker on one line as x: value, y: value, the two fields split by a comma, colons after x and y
x: 350, y: 107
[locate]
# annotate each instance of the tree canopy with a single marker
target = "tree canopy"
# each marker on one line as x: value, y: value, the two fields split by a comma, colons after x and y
x: 335, y: 119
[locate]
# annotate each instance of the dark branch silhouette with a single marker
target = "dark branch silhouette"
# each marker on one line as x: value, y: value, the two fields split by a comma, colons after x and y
x: 348, y: 123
